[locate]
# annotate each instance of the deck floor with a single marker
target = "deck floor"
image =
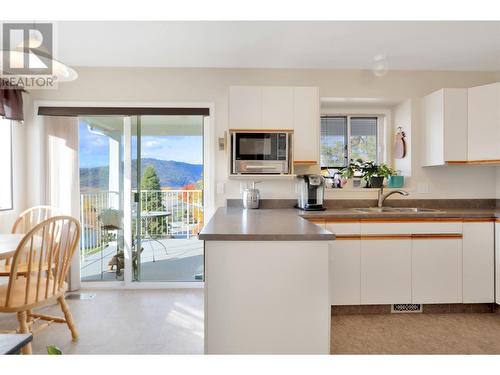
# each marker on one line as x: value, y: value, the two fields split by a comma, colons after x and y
x: 161, y: 260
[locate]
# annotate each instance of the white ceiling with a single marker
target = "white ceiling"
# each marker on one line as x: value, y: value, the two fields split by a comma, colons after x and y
x: 329, y: 44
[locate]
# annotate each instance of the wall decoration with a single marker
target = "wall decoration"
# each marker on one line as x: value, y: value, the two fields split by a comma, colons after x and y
x: 400, y: 144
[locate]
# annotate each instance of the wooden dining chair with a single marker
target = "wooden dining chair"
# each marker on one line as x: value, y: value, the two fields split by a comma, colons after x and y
x: 24, y: 223
x: 38, y: 273
x: 31, y: 217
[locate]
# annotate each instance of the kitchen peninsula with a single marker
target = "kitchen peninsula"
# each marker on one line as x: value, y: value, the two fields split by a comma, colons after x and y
x: 272, y: 275
x: 266, y: 283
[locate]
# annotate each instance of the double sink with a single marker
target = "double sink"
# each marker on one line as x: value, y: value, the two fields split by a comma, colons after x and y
x: 395, y: 209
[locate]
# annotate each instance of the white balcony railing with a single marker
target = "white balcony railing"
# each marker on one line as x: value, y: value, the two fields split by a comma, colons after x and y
x: 91, y: 207
x: 164, y: 214
x: 183, y: 211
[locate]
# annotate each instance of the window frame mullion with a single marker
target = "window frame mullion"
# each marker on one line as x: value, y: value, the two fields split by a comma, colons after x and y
x: 348, y: 140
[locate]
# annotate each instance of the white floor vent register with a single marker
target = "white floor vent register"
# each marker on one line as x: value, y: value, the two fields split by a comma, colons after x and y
x: 406, y: 308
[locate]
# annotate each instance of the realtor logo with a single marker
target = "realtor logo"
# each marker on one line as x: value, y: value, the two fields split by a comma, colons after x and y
x: 27, y: 49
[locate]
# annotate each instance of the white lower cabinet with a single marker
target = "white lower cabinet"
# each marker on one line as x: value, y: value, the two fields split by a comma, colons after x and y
x: 497, y: 263
x: 436, y: 270
x: 385, y: 271
x: 345, y: 264
x: 478, y: 262
x: 429, y: 263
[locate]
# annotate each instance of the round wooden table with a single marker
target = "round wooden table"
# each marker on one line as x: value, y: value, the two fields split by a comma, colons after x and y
x: 8, y: 244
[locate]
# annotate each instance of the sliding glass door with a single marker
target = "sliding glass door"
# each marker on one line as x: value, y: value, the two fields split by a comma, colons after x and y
x: 169, y: 191
x: 101, y: 157
x: 158, y: 160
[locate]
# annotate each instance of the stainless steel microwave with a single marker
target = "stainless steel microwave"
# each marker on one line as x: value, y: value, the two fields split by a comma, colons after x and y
x: 260, y: 152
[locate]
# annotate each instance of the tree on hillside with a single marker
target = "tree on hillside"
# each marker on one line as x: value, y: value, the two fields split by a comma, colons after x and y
x: 151, y: 200
x: 193, y: 202
x: 199, y: 183
x: 150, y: 179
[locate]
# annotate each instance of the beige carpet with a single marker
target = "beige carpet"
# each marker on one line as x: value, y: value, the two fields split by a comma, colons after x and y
x: 416, y: 334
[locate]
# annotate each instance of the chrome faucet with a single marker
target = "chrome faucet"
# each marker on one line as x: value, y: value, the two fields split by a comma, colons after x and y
x: 382, y: 197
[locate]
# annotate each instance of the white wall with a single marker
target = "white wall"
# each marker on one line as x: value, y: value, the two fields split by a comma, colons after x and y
x: 402, y: 118
x: 212, y: 85
x: 19, y: 150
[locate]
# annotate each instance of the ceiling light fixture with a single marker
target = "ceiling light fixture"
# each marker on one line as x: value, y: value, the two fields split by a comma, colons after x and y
x: 380, y: 65
x: 39, y: 60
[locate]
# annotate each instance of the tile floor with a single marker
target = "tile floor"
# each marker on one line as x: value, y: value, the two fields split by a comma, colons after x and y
x: 127, y: 322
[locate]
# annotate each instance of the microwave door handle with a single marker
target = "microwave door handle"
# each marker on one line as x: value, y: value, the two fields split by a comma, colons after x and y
x: 233, y: 143
x: 260, y: 167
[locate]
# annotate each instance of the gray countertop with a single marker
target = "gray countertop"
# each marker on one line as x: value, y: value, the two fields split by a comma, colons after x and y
x: 239, y: 224
x: 288, y: 224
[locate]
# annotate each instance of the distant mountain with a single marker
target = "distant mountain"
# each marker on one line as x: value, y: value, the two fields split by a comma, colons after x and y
x: 172, y: 174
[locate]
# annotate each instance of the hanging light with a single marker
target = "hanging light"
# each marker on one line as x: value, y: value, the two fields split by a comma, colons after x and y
x: 40, y: 60
x: 60, y: 71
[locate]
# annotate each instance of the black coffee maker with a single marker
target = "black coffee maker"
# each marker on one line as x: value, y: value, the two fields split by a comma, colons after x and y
x: 310, y: 192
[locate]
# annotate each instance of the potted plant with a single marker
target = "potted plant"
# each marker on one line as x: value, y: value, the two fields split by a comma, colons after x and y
x: 375, y: 174
x: 353, y: 170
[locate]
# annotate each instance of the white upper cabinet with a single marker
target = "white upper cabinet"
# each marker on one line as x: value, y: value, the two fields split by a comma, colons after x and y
x: 245, y: 107
x: 280, y: 107
x: 257, y: 107
x: 484, y: 123
x: 444, y: 120
x: 306, y: 124
x: 277, y: 107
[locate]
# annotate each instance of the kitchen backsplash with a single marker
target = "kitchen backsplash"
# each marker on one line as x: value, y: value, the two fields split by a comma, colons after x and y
x: 352, y: 203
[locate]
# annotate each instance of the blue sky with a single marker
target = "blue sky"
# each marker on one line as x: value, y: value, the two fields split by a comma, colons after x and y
x: 94, y: 150
x: 187, y: 149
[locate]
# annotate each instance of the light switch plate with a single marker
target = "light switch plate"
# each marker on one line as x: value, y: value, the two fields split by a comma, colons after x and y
x: 222, y: 144
x: 221, y: 188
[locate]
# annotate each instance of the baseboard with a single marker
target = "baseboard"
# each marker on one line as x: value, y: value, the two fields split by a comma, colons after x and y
x: 441, y: 308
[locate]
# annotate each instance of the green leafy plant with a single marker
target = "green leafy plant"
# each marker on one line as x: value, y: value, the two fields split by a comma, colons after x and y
x: 371, y: 169
x: 366, y: 170
x: 53, y: 350
x: 385, y: 171
x: 355, y: 167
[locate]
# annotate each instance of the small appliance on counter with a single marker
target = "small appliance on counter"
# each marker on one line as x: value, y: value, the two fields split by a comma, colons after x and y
x: 310, y: 192
x: 251, y: 196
